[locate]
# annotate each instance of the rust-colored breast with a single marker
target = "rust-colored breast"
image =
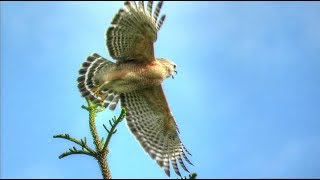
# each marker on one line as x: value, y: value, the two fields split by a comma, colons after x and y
x: 135, y: 75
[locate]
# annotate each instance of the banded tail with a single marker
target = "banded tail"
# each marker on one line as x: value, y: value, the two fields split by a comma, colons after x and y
x: 91, y: 83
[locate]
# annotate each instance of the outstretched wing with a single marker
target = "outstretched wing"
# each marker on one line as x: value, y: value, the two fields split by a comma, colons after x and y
x: 92, y: 84
x: 150, y: 120
x: 133, y: 32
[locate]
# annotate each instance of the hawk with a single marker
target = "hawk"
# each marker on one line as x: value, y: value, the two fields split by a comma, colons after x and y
x: 135, y: 80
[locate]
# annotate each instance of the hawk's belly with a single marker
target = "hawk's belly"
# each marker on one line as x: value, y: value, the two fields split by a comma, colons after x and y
x: 137, y: 78
x: 129, y: 85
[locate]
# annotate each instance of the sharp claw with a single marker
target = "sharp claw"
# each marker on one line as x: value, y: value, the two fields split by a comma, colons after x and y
x: 172, y: 77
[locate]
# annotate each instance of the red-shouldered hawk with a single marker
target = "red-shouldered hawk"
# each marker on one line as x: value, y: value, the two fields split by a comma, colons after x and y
x: 135, y: 79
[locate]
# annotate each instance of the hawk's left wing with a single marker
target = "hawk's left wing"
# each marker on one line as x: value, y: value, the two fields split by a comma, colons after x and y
x: 150, y: 120
x: 133, y: 32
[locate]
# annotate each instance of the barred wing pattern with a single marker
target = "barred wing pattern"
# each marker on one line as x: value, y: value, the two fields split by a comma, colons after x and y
x: 150, y: 120
x: 133, y: 32
x: 91, y: 84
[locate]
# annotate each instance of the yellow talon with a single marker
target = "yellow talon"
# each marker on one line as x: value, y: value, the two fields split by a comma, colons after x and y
x: 100, y: 87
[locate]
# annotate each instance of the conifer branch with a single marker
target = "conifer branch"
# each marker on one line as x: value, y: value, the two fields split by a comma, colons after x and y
x: 101, y: 147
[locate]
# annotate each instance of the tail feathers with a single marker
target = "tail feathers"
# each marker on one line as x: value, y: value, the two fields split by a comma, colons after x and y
x: 93, y: 87
x: 111, y: 98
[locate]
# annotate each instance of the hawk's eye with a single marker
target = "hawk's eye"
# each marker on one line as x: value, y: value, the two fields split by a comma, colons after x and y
x: 174, y: 66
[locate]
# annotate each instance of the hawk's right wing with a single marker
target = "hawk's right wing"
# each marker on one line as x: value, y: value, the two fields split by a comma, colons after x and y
x: 133, y: 32
x: 150, y: 120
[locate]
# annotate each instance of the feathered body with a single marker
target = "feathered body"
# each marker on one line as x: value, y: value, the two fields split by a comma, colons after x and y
x: 135, y: 80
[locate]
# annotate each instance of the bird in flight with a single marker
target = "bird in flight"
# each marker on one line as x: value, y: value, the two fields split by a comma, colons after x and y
x: 135, y: 80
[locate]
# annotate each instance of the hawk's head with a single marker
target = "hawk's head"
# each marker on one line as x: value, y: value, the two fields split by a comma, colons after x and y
x: 169, y: 66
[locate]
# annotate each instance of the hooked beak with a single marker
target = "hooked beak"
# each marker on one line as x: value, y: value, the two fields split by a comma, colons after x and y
x: 176, y: 74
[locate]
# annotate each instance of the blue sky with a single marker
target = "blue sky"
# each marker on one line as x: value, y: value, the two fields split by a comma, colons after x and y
x: 246, y: 97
